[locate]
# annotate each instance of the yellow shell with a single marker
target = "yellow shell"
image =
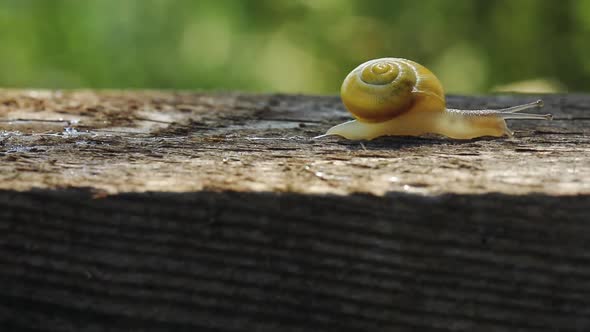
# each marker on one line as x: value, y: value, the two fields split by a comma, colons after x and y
x: 381, y: 89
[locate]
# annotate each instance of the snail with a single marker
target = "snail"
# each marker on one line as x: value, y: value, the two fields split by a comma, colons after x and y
x: 394, y: 96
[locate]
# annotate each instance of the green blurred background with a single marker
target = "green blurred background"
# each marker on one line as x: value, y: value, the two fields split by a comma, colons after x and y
x: 307, y: 46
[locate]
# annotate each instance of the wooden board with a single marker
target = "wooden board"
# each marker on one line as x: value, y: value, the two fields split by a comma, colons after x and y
x: 159, y: 211
x: 134, y: 142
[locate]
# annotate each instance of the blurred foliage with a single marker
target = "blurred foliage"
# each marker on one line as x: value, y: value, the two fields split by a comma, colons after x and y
x: 291, y: 45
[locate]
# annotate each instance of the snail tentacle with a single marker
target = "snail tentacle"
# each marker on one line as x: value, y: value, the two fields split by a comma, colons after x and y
x: 509, y: 112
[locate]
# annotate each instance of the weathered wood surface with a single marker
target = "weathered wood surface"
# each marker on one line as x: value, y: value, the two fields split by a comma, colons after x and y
x: 188, y: 142
x: 155, y: 211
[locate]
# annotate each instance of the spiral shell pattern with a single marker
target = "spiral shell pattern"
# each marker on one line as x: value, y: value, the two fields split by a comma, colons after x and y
x: 381, y: 89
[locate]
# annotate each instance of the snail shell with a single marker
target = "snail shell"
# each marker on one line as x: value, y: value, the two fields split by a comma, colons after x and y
x: 381, y: 89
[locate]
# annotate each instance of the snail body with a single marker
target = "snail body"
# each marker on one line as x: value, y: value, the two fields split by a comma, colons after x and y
x: 393, y: 96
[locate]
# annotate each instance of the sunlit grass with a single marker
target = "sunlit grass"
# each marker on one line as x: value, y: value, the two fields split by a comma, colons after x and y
x: 291, y: 46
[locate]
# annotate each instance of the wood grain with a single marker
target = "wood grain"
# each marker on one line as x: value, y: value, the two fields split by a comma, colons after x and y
x: 154, y: 141
x: 160, y: 211
x: 214, y: 261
